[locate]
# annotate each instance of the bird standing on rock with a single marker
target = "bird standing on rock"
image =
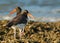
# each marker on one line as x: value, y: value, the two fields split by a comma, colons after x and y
x: 21, y: 17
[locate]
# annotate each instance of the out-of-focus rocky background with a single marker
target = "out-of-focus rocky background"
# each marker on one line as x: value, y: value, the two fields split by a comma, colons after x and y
x: 34, y: 32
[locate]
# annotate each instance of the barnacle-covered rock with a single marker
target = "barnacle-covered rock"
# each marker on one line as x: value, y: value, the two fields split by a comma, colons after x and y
x: 34, y: 32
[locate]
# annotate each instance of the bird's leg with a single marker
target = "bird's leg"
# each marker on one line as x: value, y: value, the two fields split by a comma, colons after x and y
x: 20, y: 33
x: 14, y: 28
x: 23, y: 29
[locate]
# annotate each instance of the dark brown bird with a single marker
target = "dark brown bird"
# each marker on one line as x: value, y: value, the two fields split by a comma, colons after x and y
x: 13, y: 21
x: 21, y: 18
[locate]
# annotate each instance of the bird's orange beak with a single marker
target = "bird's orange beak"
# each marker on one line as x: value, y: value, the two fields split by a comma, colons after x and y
x: 30, y: 15
x: 13, y: 11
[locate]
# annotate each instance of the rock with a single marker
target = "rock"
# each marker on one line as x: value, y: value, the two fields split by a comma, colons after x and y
x: 34, y: 32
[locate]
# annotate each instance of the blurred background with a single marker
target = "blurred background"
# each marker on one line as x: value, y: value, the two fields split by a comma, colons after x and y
x: 38, y: 8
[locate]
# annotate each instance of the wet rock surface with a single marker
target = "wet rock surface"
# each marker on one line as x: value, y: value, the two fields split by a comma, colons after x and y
x: 34, y: 32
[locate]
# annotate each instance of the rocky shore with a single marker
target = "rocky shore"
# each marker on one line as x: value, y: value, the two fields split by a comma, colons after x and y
x: 35, y: 32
